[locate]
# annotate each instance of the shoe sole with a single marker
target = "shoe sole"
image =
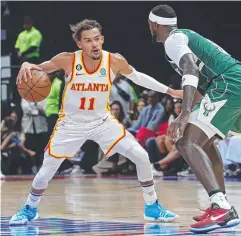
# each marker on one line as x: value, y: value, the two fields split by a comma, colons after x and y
x: 161, y: 219
x: 11, y: 223
x: 231, y: 223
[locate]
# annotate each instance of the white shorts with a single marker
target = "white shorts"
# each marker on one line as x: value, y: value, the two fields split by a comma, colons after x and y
x: 68, y: 136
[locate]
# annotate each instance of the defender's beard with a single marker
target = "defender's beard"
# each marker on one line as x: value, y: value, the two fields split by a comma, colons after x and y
x: 154, y: 38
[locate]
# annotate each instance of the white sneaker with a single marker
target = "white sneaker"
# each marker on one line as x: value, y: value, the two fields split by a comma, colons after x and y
x: 157, y: 173
x: 2, y: 176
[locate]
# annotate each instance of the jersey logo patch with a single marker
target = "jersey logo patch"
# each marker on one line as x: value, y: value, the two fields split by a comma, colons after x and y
x: 103, y: 71
x: 78, y: 67
x: 208, y: 107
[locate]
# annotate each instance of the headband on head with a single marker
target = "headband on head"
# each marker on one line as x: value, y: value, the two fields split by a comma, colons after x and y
x: 162, y: 20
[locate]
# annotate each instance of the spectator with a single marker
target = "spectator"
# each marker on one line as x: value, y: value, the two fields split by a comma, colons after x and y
x: 230, y: 150
x: 109, y: 165
x: 35, y: 128
x: 121, y: 91
x: 53, y: 101
x: 158, y: 147
x: 149, y: 120
x: 13, y: 151
x: 28, y: 43
x: 137, y: 110
x: 117, y: 111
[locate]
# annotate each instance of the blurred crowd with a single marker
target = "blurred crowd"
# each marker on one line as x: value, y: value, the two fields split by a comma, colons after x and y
x: 26, y: 127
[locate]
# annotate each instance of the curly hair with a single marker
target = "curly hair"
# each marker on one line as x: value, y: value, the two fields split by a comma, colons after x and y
x: 81, y: 26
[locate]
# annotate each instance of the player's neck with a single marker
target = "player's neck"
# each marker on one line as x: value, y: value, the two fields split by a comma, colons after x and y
x: 89, y: 63
x: 168, y: 31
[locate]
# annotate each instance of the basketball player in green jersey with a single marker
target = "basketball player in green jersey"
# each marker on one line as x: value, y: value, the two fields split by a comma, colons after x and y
x: 208, y: 69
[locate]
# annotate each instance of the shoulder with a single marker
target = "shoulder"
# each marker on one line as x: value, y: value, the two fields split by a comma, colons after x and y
x: 21, y: 33
x: 160, y: 106
x: 175, y: 39
x: 117, y: 58
x: 64, y: 56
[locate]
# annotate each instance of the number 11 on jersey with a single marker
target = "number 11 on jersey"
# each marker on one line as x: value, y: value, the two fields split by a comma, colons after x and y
x: 90, y: 104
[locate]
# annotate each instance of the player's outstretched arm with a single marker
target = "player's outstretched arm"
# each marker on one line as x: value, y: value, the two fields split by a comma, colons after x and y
x: 56, y: 63
x: 120, y: 64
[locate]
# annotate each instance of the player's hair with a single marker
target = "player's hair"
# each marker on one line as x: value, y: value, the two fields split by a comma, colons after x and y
x: 164, y: 11
x: 86, y: 24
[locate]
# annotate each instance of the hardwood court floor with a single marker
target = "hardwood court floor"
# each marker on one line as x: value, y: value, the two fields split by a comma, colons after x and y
x: 90, y: 205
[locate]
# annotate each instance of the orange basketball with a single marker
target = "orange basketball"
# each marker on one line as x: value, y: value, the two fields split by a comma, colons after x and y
x: 35, y: 89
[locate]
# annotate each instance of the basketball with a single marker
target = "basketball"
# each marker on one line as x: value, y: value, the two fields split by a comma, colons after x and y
x: 35, y: 89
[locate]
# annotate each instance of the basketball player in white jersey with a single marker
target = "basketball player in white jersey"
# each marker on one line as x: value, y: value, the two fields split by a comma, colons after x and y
x: 85, y: 115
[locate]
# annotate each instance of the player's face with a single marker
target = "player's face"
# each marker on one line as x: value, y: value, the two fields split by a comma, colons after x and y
x: 91, y: 43
x: 153, y: 32
x: 156, y: 32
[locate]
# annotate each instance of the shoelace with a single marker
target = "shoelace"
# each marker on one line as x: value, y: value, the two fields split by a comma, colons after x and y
x: 24, y: 210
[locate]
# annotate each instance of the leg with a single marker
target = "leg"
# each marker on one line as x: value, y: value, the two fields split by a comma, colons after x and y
x: 29, y: 211
x: 217, y: 163
x: 161, y: 144
x: 171, y: 156
x: 152, y: 150
x: 169, y: 144
x: 64, y: 142
x: 122, y: 142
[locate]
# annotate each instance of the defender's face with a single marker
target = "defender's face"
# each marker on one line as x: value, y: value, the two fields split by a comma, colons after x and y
x: 153, y: 31
x: 91, y: 43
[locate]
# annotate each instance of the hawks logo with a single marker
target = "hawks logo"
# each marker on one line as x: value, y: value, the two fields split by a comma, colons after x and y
x: 208, y: 107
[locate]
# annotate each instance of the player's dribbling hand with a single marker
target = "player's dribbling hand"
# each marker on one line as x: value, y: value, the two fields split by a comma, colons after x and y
x: 25, y: 72
x: 176, y: 129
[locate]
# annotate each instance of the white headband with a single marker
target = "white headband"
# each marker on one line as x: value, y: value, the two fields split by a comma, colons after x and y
x: 161, y: 20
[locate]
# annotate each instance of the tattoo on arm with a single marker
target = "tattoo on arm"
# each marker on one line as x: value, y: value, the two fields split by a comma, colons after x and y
x: 188, y: 66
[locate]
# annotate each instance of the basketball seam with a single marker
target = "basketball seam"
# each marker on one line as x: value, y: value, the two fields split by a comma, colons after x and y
x: 31, y: 88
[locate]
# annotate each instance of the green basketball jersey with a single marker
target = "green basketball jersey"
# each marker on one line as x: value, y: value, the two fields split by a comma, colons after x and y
x: 211, y: 59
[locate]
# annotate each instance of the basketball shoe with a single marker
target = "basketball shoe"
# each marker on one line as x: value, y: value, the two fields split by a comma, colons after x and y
x: 216, y: 219
x: 24, y: 215
x: 158, y: 213
x: 202, y: 216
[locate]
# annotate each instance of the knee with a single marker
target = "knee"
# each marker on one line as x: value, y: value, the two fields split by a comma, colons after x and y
x: 182, y: 143
x: 150, y: 142
x: 138, y: 155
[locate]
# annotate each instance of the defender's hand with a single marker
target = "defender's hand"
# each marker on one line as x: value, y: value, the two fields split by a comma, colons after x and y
x: 25, y: 72
x: 176, y: 129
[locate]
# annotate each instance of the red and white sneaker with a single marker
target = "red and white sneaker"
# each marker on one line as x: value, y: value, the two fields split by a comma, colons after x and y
x: 216, y: 219
x: 203, y: 216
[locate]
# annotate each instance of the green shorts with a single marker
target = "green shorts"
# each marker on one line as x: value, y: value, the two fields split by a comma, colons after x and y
x: 220, y: 109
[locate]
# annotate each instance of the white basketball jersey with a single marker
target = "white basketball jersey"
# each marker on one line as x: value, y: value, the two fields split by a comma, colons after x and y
x: 86, y: 94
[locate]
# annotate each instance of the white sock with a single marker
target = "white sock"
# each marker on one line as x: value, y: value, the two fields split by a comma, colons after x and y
x: 33, y: 199
x: 219, y: 198
x: 149, y: 194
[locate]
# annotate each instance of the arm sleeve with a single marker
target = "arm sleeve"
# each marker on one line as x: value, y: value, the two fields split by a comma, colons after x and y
x: 146, y: 81
x: 176, y: 46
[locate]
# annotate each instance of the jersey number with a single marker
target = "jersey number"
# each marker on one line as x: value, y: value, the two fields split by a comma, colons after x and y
x: 90, y: 101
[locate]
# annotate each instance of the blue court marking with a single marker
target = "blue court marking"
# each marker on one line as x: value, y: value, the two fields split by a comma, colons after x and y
x: 60, y: 226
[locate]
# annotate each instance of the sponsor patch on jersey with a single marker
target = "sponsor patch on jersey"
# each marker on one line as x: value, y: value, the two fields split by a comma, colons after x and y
x: 103, y: 71
x: 78, y: 67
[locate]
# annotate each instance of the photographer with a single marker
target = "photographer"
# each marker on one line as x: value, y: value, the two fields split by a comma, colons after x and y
x: 12, y: 147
